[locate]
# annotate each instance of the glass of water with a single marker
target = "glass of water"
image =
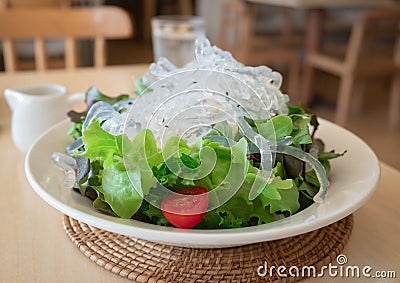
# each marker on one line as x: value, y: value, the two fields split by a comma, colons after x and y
x: 174, y: 37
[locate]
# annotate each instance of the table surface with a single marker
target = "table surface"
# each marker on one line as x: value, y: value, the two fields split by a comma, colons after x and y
x: 324, y: 3
x: 35, y: 248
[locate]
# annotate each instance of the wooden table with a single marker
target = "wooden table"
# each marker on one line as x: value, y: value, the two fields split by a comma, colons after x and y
x: 35, y: 248
x: 111, y: 80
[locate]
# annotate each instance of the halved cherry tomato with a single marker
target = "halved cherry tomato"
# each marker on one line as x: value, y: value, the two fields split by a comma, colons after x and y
x: 186, y: 207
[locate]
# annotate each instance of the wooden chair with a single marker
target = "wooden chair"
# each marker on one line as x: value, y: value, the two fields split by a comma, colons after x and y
x: 238, y: 35
x: 53, y: 3
x: 98, y: 23
x: 373, y: 51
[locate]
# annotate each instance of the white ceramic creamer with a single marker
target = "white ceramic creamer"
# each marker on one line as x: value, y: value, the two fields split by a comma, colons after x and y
x: 35, y: 109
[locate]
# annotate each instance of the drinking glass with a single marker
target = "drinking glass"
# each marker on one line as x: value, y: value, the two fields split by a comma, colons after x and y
x: 174, y: 37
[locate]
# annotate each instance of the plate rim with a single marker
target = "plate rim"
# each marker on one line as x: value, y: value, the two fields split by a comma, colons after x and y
x: 195, y: 237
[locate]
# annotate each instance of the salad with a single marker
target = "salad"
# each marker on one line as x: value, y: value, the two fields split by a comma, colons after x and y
x: 212, y: 145
x: 129, y: 190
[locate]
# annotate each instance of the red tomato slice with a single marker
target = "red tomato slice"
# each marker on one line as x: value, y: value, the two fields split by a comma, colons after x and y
x: 186, y: 207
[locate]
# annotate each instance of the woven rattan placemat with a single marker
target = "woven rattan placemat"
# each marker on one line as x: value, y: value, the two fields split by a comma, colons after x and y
x: 145, y: 261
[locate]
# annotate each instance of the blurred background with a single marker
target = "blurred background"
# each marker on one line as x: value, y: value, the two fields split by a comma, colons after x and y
x: 274, y: 35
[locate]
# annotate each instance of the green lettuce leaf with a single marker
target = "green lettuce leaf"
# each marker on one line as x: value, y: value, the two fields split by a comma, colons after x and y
x: 100, y: 145
x: 93, y: 95
x: 289, y: 201
x: 276, y: 128
x: 119, y: 192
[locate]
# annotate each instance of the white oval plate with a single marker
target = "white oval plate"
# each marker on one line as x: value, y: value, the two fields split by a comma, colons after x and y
x: 354, y: 178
